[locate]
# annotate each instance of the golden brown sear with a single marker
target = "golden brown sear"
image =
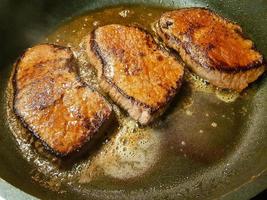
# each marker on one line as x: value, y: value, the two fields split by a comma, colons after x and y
x: 137, y: 74
x: 53, y: 104
x: 213, y: 47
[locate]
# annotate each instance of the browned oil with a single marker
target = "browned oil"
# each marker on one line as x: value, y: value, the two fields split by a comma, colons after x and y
x: 195, y: 133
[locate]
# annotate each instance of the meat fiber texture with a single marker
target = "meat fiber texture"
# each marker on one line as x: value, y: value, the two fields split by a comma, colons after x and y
x: 53, y: 103
x: 213, y: 47
x: 137, y: 74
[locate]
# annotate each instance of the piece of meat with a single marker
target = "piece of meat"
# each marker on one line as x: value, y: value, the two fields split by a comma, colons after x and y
x: 53, y: 103
x: 137, y: 74
x: 213, y: 47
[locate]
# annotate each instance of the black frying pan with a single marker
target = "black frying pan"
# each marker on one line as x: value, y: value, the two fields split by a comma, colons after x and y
x: 232, y: 164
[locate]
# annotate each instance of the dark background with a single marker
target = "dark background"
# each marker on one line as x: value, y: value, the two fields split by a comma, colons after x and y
x: 261, y: 196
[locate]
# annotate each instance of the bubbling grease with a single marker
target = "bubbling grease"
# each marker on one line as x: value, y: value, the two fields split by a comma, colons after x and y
x: 130, y: 154
x: 131, y: 151
x: 199, y: 84
x: 135, y: 149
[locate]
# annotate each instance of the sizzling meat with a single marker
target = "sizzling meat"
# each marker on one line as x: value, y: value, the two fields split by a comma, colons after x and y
x: 213, y: 47
x: 53, y: 104
x: 137, y: 74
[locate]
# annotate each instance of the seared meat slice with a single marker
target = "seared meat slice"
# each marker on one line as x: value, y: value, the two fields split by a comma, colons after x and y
x: 213, y: 47
x: 53, y: 104
x: 137, y: 74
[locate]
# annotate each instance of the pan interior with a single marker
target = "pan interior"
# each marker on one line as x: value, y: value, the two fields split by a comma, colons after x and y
x: 196, y: 150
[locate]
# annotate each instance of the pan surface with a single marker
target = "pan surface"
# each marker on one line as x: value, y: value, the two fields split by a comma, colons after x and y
x: 202, y: 148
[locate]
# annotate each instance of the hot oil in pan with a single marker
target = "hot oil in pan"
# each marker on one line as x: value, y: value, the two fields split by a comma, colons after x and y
x: 197, y: 131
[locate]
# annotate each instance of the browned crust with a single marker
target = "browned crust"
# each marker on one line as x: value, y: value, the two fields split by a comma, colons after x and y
x: 228, y: 78
x: 83, y: 145
x: 108, y: 85
x: 212, y: 66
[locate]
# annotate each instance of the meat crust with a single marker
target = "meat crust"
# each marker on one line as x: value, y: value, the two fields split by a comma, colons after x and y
x: 213, y: 47
x: 136, y: 73
x: 53, y: 103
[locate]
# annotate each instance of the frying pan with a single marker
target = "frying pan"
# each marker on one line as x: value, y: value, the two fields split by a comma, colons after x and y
x: 238, y: 173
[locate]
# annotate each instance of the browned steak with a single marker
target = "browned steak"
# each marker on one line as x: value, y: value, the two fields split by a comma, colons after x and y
x: 213, y: 47
x: 137, y: 74
x: 53, y: 104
